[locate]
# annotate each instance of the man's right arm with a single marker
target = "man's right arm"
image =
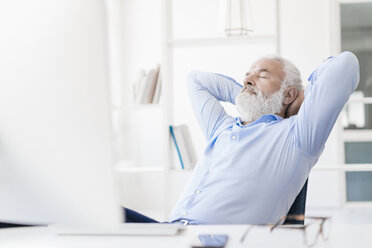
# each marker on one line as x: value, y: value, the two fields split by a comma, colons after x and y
x: 206, y: 90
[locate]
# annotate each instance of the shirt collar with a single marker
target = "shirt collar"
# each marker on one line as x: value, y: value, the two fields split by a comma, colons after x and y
x: 264, y: 118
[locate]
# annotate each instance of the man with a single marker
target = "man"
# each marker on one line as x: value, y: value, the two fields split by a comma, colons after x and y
x: 254, y: 166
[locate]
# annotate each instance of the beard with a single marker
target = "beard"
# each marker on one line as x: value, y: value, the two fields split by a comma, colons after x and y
x: 252, y: 106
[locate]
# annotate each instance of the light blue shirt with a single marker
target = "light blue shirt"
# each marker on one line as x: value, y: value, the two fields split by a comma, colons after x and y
x: 252, y: 174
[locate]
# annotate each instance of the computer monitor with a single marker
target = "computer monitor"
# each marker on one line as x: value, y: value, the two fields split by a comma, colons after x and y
x: 55, y: 120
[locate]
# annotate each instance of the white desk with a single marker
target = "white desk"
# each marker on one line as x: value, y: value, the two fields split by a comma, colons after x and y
x: 343, y: 235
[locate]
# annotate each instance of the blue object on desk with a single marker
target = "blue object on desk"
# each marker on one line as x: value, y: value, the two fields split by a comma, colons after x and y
x: 211, y: 240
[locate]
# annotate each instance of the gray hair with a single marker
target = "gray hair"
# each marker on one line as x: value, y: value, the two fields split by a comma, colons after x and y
x: 292, y: 74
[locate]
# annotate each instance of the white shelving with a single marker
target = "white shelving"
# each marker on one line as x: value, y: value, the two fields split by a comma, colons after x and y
x: 222, y: 41
x: 344, y: 167
x: 139, y: 169
x: 175, y: 179
x: 172, y: 178
x: 350, y: 135
x: 365, y: 100
x: 137, y: 107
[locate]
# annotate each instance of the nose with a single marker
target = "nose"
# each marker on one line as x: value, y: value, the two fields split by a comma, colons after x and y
x: 248, y: 81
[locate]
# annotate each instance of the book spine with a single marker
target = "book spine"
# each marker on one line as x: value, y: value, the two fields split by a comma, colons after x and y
x: 191, y: 156
x: 177, y: 148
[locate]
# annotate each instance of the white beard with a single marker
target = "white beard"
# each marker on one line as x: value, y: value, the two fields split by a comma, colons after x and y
x: 251, y: 106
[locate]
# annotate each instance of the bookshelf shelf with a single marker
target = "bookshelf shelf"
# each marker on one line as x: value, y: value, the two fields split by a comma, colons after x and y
x: 148, y: 106
x: 139, y: 169
x: 365, y: 100
x: 221, y: 41
x: 180, y: 171
x: 344, y: 167
x: 357, y: 135
x: 133, y: 166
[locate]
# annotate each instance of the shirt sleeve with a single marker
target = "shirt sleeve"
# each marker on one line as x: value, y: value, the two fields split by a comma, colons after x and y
x: 330, y: 86
x: 205, y: 91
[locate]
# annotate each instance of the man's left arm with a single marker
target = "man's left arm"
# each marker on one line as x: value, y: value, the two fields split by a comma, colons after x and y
x: 331, y: 84
x: 206, y: 90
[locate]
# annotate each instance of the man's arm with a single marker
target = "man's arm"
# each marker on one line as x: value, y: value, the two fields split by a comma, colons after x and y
x: 331, y: 84
x: 206, y: 90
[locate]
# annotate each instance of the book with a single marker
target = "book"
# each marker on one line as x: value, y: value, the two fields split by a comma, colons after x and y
x: 177, y: 148
x: 147, y: 86
x: 183, y: 143
x: 157, y: 93
x: 153, y: 84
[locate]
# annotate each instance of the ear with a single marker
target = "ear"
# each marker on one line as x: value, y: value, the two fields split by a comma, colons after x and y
x: 290, y: 94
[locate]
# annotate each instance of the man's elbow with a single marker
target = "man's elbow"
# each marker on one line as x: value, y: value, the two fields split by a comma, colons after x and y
x: 193, y: 75
x: 193, y: 80
x: 350, y: 65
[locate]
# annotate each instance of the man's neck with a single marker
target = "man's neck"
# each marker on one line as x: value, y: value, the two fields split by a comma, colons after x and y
x: 281, y: 114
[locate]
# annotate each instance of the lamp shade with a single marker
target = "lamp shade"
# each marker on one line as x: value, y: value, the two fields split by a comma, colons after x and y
x: 238, y: 17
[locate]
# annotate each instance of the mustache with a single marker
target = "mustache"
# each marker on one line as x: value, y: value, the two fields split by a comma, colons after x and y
x: 250, y: 89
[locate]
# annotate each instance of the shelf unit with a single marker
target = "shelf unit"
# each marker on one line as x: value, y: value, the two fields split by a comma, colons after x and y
x: 222, y: 41
x: 175, y: 179
x: 169, y: 44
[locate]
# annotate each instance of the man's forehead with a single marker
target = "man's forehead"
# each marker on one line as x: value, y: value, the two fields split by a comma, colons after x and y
x: 268, y: 65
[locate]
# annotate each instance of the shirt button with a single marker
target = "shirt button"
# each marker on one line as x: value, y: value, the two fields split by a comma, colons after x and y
x: 184, y: 214
x: 210, y: 170
x: 198, y: 191
x: 233, y: 137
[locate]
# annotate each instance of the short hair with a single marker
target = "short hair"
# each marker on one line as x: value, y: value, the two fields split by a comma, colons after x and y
x: 292, y: 74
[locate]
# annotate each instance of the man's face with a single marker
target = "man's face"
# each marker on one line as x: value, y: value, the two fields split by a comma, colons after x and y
x: 263, y: 92
x: 265, y: 75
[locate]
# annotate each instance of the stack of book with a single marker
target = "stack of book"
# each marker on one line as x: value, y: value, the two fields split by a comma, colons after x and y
x: 184, y: 147
x: 147, y: 87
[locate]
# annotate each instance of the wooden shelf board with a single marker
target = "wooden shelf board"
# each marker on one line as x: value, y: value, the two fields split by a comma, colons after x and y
x: 139, y: 169
x: 222, y: 40
x: 345, y: 167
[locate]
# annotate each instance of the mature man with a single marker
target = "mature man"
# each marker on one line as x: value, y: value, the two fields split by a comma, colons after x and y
x: 255, y: 165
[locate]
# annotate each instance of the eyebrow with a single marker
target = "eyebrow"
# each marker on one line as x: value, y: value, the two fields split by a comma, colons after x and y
x: 260, y: 70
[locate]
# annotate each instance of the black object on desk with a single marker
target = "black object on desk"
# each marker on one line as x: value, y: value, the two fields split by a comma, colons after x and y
x: 297, y: 208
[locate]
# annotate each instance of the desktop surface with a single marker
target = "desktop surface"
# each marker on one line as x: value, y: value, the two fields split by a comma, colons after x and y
x: 343, y: 235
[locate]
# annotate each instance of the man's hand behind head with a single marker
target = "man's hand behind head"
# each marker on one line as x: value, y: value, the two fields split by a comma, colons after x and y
x: 295, y: 105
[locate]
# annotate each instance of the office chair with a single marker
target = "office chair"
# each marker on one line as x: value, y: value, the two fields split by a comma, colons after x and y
x: 8, y: 225
x: 296, y: 213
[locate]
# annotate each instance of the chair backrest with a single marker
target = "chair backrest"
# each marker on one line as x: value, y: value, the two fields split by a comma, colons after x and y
x: 7, y: 225
x: 298, y: 208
